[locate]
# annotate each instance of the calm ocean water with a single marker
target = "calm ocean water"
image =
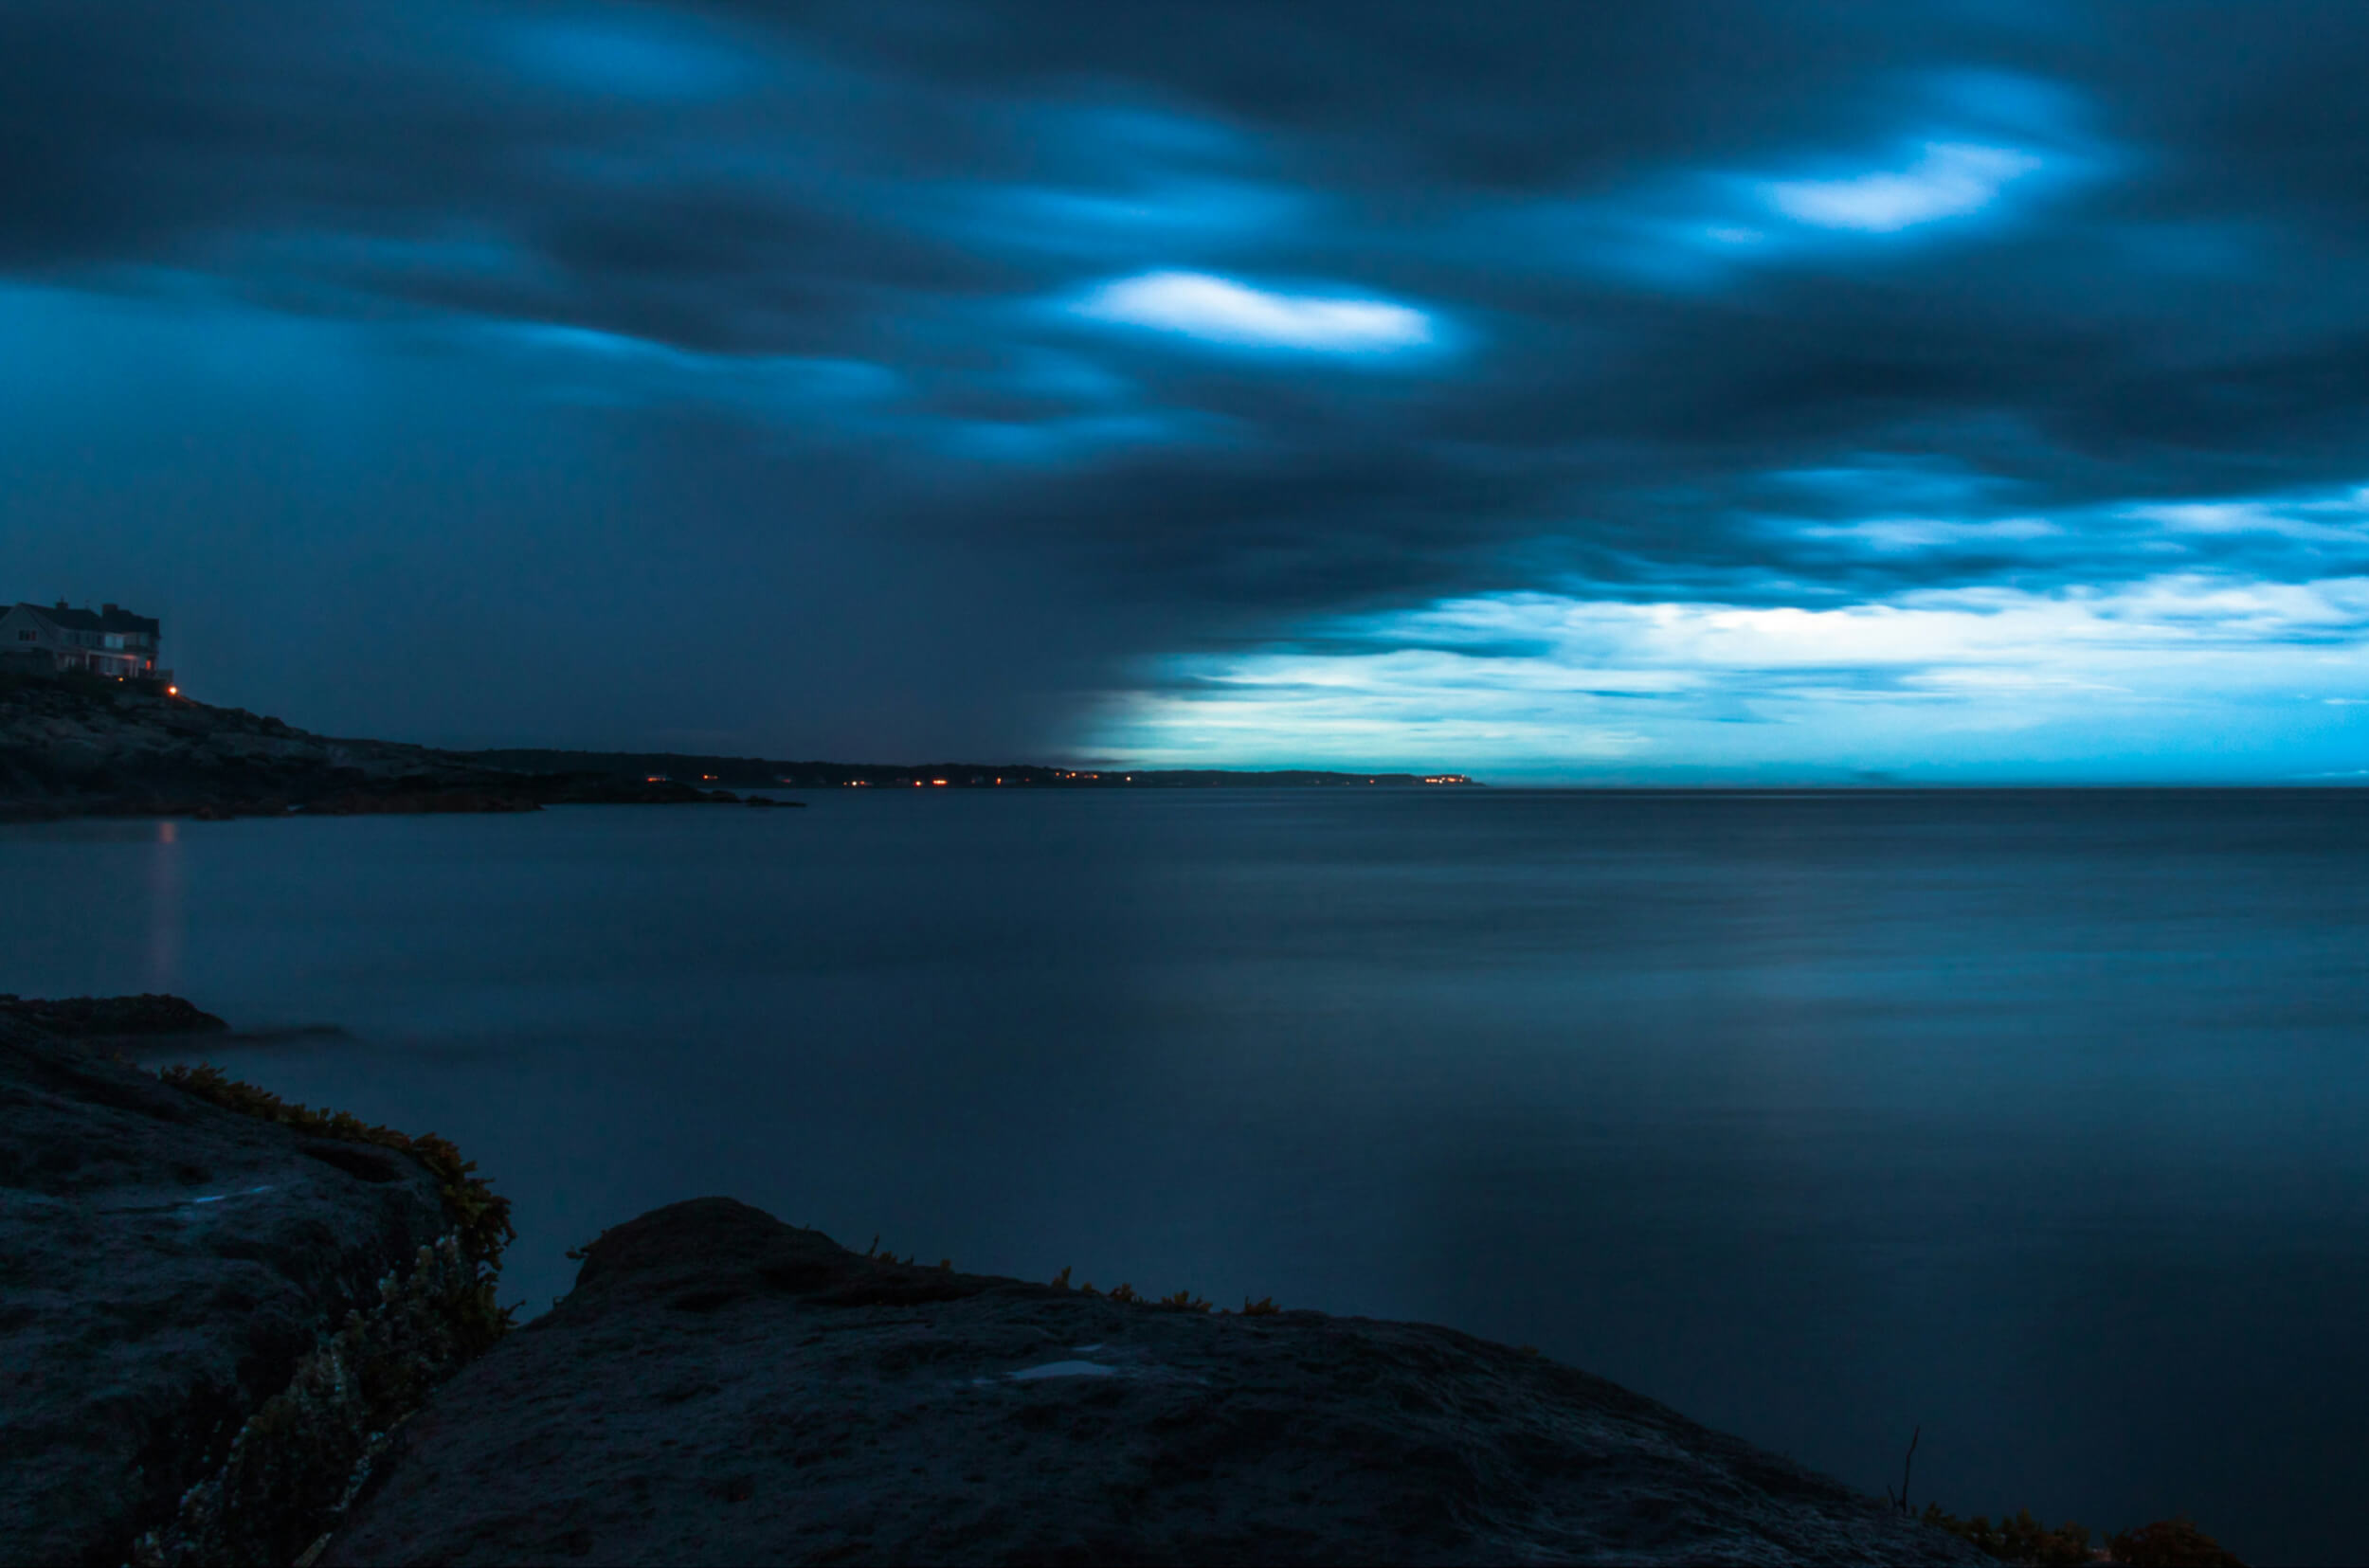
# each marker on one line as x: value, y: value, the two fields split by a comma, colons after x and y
x: 2037, y: 1119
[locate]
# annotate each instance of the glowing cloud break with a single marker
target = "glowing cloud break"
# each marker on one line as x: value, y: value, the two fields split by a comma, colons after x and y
x: 1219, y: 310
x: 1949, y: 180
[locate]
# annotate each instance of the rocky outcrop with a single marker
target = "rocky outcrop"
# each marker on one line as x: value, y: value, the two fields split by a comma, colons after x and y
x: 720, y: 1387
x: 65, y: 748
x: 111, y: 1017
x: 208, y: 1317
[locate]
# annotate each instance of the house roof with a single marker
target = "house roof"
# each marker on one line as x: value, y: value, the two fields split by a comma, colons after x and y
x: 111, y: 619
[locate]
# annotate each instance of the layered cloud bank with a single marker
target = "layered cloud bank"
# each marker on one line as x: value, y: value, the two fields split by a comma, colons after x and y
x: 2184, y: 678
x: 1118, y: 382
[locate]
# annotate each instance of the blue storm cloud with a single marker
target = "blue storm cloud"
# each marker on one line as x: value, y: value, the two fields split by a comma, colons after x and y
x: 1158, y: 382
x: 628, y: 57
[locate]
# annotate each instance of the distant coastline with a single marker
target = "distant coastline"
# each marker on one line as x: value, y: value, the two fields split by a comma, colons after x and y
x: 761, y: 773
x: 76, y: 744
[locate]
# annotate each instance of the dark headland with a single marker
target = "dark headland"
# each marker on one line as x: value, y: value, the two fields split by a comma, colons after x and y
x: 237, y: 1331
x: 80, y: 745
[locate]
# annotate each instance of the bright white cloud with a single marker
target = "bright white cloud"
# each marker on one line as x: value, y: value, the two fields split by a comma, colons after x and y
x: 1948, y: 180
x: 1219, y: 310
x: 1897, y: 534
x: 2334, y: 520
x: 2189, y: 676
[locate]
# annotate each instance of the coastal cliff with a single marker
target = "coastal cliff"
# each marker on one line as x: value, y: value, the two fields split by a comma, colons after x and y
x: 87, y: 747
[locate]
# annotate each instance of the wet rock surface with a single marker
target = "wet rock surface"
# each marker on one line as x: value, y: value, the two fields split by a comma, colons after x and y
x: 165, y: 1266
x: 720, y: 1387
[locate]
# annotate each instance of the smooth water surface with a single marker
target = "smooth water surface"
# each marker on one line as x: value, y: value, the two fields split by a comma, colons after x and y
x: 2036, y: 1119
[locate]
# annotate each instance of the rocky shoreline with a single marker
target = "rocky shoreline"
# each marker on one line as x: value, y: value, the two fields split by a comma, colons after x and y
x: 241, y: 1331
x: 85, y: 749
x: 721, y: 1387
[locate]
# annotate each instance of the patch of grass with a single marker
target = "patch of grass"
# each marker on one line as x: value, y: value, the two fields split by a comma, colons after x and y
x: 2175, y: 1542
x: 298, y: 1463
x: 1263, y: 1307
x: 2022, y: 1538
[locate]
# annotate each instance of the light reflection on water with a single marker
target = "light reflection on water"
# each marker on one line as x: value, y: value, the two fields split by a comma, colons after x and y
x: 168, y: 917
x: 2035, y: 1119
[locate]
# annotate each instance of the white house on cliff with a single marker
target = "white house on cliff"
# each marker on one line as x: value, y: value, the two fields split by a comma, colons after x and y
x: 110, y: 641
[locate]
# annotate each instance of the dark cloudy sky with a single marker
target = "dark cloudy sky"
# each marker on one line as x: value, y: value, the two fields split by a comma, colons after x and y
x: 1671, y: 390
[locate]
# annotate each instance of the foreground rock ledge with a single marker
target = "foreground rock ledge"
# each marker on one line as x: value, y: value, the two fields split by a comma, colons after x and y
x: 169, y: 1270
x: 720, y: 1387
